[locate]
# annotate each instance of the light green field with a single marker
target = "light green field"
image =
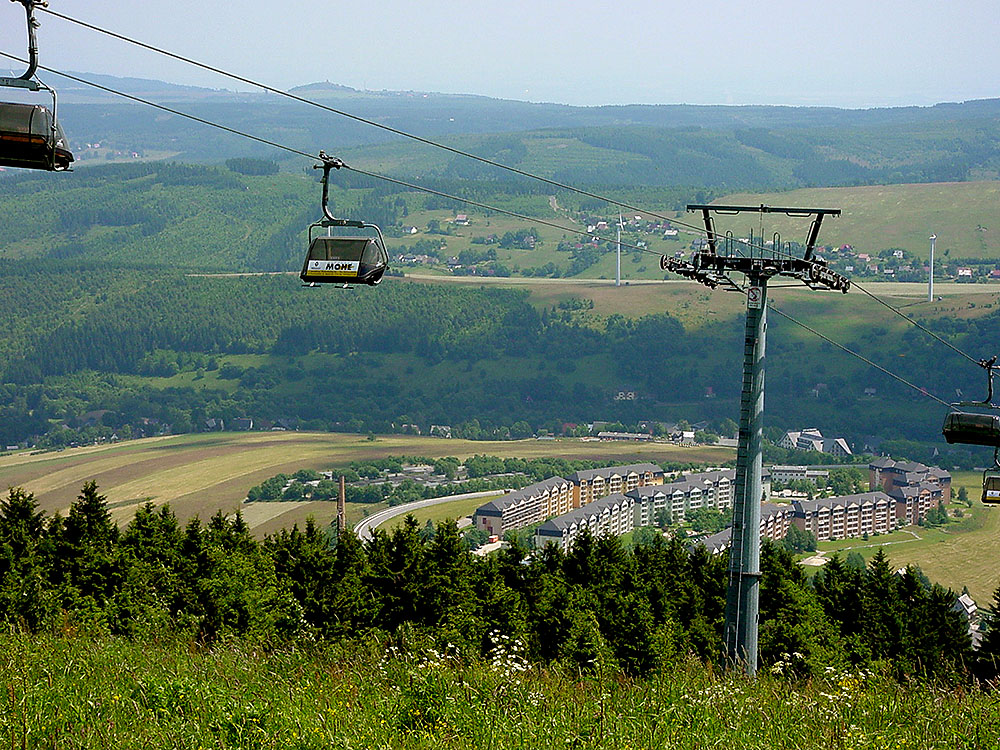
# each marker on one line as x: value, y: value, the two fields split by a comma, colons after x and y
x: 876, y: 217
x: 201, y: 474
x: 965, y: 553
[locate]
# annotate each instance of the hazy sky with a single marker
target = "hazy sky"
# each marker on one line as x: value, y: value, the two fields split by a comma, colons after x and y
x: 851, y: 53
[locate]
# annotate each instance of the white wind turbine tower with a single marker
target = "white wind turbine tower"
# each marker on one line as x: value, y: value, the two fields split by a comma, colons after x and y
x: 618, y: 265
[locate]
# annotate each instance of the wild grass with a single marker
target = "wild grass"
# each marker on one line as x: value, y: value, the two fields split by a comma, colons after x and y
x: 75, y: 692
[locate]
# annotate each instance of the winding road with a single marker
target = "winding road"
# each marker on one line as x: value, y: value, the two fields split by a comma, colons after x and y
x: 365, y: 528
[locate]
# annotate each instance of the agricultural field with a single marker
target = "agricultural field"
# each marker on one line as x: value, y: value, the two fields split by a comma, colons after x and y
x: 201, y: 474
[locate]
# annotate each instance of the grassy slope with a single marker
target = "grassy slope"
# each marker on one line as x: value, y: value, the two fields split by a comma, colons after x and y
x: 76, y: 692
x: 882, y: 216
x: 199, y: 474
x: 961, y: 554
x: 455, y: 510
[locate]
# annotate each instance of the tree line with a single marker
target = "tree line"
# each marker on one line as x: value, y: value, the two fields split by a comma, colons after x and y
x: 599, y: 604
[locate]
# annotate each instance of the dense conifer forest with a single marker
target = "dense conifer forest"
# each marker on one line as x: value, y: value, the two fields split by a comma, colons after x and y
x: 602, y: 605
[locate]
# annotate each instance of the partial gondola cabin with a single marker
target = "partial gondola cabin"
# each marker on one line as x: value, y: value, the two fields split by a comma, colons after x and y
x: 972, y: 429
x: 342, y: 260
x: 991, y: 489
x: 29, y: 139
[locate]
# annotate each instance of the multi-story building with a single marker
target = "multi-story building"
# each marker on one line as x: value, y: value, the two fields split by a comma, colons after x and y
x: 524, y: 507
x: 775, y: 520
x: 786, y: 474
x: 813, y: 440
x: 888, y: 475
x: 848, y: 516
x: 612, y: 514
x: 591, y: 484
x: 712, y: 489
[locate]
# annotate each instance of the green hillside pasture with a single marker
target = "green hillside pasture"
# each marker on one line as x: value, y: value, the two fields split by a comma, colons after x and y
x: 104, y: 693
x: 455, y: 510
x: 876, y: 217
x: 964, y: 553
x: 201, y: 474
x: 547, y: 154
x: 695, y: 305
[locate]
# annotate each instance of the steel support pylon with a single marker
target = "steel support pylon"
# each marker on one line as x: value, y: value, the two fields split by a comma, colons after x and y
x: 742, y: 594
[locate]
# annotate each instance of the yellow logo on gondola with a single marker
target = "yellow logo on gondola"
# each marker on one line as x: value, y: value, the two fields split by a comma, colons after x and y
x: 333, y: 268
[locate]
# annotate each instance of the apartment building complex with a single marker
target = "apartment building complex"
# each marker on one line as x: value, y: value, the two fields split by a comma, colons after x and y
x: 785, y: 474
x: 712, y: 489
x: 612, y: 514
x: 848, y: 516
x: 775, y: 520
x: 524, y: 507
x: 593, y: 484
x: 914, y: 487
x: 812, y: 440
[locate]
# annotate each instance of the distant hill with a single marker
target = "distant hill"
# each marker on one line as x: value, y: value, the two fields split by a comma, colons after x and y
x: 721, y: 147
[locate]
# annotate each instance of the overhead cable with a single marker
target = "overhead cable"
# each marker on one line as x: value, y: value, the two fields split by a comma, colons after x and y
x: 373, y: 175
x: 853, y: 353
x: 451, y: 149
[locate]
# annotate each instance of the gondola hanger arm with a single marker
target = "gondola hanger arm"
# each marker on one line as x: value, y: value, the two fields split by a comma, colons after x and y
x: 26, y: 79
x: 328, y: 163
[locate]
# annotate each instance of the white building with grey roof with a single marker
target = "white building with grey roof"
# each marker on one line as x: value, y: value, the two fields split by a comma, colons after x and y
x: 612, y: 514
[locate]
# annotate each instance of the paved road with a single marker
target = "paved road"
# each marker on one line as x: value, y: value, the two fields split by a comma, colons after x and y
x: 365, y: 528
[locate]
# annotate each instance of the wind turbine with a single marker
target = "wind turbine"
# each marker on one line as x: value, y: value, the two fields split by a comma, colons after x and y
x: 618, y: 265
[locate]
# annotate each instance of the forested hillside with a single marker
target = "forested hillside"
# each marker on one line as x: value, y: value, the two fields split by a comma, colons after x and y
x: 165, y: 349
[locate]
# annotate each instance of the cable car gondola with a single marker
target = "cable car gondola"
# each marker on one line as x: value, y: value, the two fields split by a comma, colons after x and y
x: 343, y: 259
x: 977, y: 428
x: 30, y: 135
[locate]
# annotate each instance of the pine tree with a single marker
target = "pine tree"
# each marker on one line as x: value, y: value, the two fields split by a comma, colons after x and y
x: 86, y: 565
x: 25, y: 597
x: 988, y: 663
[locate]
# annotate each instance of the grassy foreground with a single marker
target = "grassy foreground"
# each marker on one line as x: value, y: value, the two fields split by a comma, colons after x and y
x: 76, y: 692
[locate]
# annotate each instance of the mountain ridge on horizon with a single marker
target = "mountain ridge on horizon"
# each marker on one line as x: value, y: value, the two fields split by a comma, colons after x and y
x: 133, y: 85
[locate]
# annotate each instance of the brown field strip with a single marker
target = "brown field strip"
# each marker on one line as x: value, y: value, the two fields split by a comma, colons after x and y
x: 202, y: 474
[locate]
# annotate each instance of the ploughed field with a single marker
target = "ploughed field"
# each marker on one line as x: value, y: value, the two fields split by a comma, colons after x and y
x: 203, y: 473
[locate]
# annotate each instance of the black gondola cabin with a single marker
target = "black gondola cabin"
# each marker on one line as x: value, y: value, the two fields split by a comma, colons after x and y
x: 972, y: 429
x: 31, y: 140
x: 342, y: 260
